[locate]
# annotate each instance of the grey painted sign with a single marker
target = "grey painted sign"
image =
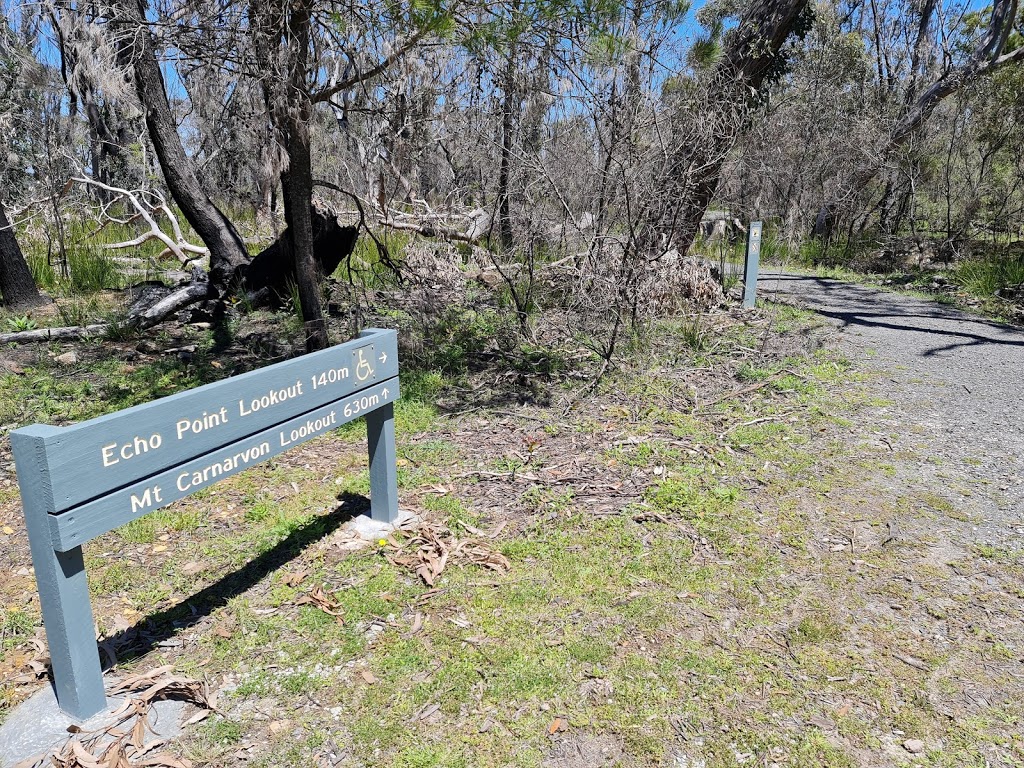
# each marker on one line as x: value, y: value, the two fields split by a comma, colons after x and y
x: 89, y: 459
x: 81, y: 481
x: 751, y: 265
x: 94, y: 518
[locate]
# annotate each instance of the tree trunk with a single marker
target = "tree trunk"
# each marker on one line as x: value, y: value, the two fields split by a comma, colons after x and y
x: 17, y: 288
x: 293, y: 119
x: 690, y: 177
x: 508, y: 103
x: 271, y: 273
x: 136, y: 52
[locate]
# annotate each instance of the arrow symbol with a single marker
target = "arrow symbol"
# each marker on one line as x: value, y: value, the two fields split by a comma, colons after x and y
x: 383, y: 357
x: 384, y: 393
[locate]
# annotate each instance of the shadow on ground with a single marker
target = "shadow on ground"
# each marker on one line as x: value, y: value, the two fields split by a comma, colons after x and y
x: 160, y: 627
x: 854, y: 306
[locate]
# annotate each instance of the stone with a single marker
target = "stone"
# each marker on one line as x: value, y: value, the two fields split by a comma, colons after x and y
x: 491, y: 278
x: 914, y: 746
x: 369, y: 529
x: 68, y: 358
x: 38, y: 725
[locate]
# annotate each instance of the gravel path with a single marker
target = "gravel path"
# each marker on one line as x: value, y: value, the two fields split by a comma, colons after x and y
x: 954, y: 385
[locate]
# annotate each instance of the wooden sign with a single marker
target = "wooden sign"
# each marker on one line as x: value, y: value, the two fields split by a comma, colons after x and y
x: 81, y: 481
x: 97, y: 456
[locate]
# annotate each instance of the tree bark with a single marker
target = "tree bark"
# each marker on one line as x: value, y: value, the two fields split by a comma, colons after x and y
x: 17, y: 288
x: 508, y: 103
x: 227, y: 250
x: 267, y: 277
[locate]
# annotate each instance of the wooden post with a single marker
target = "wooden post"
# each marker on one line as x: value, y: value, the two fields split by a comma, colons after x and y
x: 380, y: 435
x: 751, y: 265
x: 63, y: 587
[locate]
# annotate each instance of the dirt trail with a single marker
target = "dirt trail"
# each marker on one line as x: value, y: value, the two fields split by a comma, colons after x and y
x: 954, y: 385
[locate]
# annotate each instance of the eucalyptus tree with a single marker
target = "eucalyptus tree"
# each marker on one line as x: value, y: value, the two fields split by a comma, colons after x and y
x: 944, y: 51
x: 282, y: 49
x: 742, y: 56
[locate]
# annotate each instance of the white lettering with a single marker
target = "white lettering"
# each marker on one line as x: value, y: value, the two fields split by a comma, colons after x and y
x: 188, y: 480
x: 274, y: 397
x: 148, y: 498
x: 310, y: 428
x: 136, y: 447
x: 203, y: 423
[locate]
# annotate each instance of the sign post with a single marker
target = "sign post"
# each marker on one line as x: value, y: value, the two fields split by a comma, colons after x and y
x: 81, y: 481
x: 751, y: 265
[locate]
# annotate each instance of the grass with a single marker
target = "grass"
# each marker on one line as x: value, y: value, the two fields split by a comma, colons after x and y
x: 984, y: 277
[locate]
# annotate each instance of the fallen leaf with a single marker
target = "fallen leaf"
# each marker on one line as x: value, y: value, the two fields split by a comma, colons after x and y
x: 160, y: 548
x: 555, y: 727
x: 202, y: 714
x: 367, y: 675
x: 319, y: 599
x: 426, y: 711
x: 222, y: 631
x: 294, y: 578
x: 417, y: 623
x: 7, y: 529
x: 821, y: 722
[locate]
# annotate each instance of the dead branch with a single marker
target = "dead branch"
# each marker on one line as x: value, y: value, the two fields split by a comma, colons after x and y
x: 176, y: 245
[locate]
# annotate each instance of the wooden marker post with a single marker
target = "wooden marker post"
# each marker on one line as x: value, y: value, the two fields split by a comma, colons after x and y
x: 81, y: 481
x: 751, y: 265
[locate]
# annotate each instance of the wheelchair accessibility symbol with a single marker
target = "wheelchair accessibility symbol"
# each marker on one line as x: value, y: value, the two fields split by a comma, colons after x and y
x: 364, y: 368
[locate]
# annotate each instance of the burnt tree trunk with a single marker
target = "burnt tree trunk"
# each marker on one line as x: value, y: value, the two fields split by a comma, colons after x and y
x: 268, y: 278
x: 17, y: 288
x: 136, y: 52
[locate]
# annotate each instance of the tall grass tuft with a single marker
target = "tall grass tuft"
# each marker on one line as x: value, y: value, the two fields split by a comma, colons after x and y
x: 983, y: 277
x: 92, y: 269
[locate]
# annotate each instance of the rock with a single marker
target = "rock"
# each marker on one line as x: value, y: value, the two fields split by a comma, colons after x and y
x: 914, y: 746
x: 68, y: 358
x: 491, y: 278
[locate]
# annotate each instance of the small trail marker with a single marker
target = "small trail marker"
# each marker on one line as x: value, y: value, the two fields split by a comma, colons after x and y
x: 752, y: 264
x: 81, y: 481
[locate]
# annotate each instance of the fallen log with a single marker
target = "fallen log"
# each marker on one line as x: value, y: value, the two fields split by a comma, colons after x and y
x: 143, y: 314
x: 54, y: 334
